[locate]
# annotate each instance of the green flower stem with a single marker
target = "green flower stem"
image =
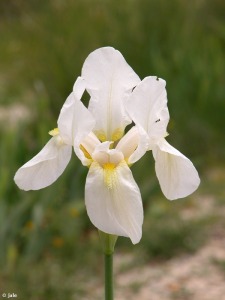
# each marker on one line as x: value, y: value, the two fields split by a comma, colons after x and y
x: 108, y: 242
x: 109, y: 276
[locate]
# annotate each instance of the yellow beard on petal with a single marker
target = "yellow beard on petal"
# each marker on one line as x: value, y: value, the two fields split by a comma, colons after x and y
x: 54, y: 132
x: 110, y: 175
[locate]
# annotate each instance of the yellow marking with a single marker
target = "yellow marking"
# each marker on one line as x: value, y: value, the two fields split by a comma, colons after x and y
x: 166, y: 134
x: 54, y: 132
x: 58, y: 139
x: 126, y: 162
x: 100, y: 135
x: 110, y: 175
x: 109, y: 166
x: 86, y: 154
x: 111, y: 145
x: 117, y: 134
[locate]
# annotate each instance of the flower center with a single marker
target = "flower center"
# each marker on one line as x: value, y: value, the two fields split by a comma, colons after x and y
x: 108, y: 161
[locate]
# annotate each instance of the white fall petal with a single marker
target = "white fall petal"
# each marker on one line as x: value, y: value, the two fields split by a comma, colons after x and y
x: 74, y: 124
x: 177, y: 175
x: 117, y: 210
x: 147, y: 106
x: 112, y: 197
x: 109, y: 80
x: 43, y: 169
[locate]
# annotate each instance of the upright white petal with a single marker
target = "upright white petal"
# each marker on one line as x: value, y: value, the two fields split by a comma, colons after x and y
x: 113, y: 201
x: 43, y: 169
x: 177, y: 175
x: 109, y: 79
x: 75, y: 122
x: 147, y: 106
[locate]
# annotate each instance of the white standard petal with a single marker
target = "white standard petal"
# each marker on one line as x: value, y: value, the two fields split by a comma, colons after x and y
x: 109, y: 80
x: 43, y: 169
x: 177, y: 175
x: 147, y: 106
x: 113, y: 201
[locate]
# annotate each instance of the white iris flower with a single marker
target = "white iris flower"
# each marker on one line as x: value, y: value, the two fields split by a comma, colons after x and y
x: 117, y: 97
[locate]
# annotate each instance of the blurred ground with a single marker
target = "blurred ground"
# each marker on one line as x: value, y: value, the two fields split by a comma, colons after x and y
x: 187, y: 277
x: 194, y: 277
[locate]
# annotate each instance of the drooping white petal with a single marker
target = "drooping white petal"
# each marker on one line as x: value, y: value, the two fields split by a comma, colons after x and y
x: 109, y: 79
x: 147, y: 106
x: 115, y: 209
x: 43, y: 169
x: 75, y: 122
x: 177, y: 175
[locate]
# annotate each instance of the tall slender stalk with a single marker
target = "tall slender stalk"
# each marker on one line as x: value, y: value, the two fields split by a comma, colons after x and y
x: 108, y: 243
x: 109, y: 276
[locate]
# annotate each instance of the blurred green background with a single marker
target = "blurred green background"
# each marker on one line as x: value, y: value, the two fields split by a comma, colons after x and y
x: 48, y: 247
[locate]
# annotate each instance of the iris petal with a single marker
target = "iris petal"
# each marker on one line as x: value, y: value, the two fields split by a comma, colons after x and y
x: 45, y: 168
x: 109, y: 80
x: 115, y: 208
x: 177, y: 175
x: 147, y: 106
x: 75, y: 122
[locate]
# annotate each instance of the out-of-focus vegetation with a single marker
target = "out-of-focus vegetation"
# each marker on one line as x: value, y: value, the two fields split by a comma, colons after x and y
x: 46, y: 234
